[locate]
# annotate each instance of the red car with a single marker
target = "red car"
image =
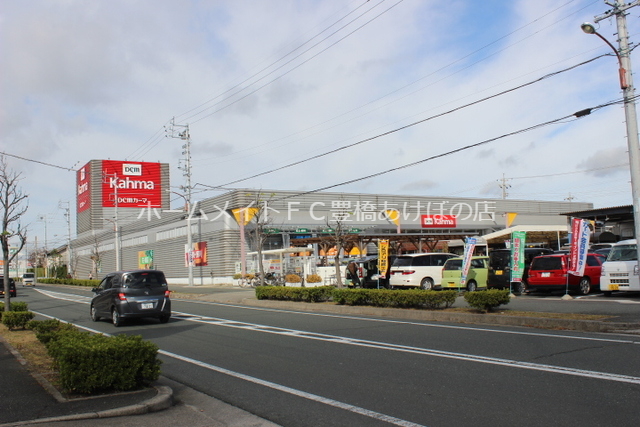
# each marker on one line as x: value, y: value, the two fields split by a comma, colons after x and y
x: 549, y: 273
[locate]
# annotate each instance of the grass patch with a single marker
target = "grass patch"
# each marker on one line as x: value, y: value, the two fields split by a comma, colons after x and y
x: 507, y: 312
x: 34, y: 352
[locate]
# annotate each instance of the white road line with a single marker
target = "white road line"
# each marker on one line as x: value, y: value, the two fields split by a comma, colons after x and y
x: 275, y: 386
x: 428, y: 325
x: 408, y: 349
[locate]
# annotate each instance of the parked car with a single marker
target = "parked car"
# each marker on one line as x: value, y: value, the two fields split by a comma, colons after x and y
x: 12, y: 287
x: 499, y: 276
x: 418, y: 270
x: 476, y: 277
x: 28, y: 279
x: 368, y: 272
x: 550, y: 272
x: 131, y: 294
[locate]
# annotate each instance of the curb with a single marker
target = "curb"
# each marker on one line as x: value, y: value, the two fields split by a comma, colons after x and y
x: 439, y: 316
x: 162, y: 400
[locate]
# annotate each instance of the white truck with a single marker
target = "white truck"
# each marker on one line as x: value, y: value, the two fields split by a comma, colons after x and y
x: 28, y: 279
x: 620, y: 270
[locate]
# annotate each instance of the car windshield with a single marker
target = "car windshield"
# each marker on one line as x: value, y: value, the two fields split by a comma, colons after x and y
x: 547, y: 263
x: 152, y: 279
x: 623, y: 253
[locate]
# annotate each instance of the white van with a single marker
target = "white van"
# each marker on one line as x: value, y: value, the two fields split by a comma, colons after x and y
x: 620, y: 270
x: 28, y: 279
x: 418, y: 270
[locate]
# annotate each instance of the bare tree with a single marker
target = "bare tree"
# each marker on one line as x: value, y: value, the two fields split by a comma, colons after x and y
x: 339, y: 232
x: 13, y: 204
x: 260, y: 209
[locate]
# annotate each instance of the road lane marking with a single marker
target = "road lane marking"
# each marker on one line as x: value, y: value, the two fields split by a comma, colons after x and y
x: 272, y: 385
x: 394, y: 347
x: 410, y: 349
x: 366, y: 319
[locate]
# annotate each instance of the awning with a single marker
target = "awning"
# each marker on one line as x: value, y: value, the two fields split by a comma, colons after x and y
x: 535, y: 233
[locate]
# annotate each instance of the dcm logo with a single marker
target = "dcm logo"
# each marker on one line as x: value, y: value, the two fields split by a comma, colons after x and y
x: 131, y: 169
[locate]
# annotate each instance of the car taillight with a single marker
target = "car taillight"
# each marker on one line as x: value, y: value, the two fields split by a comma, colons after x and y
x: 122, y: 296
x: 407, y: 272
x: 167, y: 294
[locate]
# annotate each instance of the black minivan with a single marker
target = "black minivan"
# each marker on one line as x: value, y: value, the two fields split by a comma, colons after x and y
x: 131, y: 294
x: 499, y: 275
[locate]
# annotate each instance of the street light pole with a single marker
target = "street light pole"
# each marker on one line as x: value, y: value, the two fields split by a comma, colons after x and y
x: 626, y: 84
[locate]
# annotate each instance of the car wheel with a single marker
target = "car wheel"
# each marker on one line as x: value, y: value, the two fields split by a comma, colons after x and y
x: 584, y: 287
x: 472, y: 286
x: 94, y: 314
x: 426, y: 283
x: 115, y: 317
x: 165, y: 318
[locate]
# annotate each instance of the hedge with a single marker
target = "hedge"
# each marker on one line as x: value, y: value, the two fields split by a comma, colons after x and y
x: 95, y: 363
x: 15, y: 306
x: 417, y: 298
x: 74, y: 282
x: 282, y: 293
x: 17, y: 319
x: 487, y: 300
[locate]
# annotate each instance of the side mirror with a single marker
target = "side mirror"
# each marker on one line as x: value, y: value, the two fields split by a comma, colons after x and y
x: 94, y: 290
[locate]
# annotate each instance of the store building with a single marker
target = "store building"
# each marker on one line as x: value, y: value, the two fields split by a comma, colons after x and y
x: 152, y: 235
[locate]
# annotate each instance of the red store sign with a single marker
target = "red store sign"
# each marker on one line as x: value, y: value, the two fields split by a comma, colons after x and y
x: 133, y: 184
x: 438, y: 221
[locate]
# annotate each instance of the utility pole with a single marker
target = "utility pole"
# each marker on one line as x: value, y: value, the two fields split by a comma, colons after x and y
x: 46, y: 251
x: 626, y: 84
x: 184, y: 135
x: 504, y: 186
x: 64, y: 205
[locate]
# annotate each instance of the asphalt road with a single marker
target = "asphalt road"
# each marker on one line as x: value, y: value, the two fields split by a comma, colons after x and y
x: 304, y: 369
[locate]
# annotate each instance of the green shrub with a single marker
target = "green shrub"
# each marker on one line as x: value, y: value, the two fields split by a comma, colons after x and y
x: 487, y: 300
x: 391, y: 298
x: 94, y: 363
x: 74, y: 282
x: 15, y: 306
x: 281, y: 293
x: 47, y: 330
x: 17, y: 319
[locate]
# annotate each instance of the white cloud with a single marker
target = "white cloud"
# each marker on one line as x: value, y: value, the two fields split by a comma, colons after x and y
x: 91, y: 80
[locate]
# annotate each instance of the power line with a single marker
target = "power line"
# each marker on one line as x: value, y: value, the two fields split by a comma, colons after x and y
x: 179, y: 117
x: 37, y: 161
x: 288, y: 71
x: 344, y: 147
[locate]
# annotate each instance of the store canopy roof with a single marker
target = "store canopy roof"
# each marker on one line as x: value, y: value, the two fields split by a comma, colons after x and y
x: 535, y: 233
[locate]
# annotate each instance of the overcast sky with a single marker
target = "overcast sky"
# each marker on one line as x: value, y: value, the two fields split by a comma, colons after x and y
x: 262, y: 84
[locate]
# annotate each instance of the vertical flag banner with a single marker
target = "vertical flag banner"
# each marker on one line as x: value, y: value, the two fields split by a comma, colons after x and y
x: 145, y: 260
x: 517, y: 255
x: 383, y: 256
x: 469, y: 246
x: 580, y: 234
x: 200, y: 254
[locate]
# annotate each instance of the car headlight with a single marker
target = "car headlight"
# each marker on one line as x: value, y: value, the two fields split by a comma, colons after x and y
x: 635, y: 270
